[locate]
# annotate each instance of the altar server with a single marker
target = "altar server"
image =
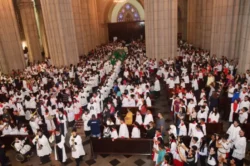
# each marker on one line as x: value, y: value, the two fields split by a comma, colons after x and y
x: 43, y: 148
x: 240, y: 148
x: 233, y: 131
x: 59, y: 148
x: 75, y: 142
x: 62, y: 122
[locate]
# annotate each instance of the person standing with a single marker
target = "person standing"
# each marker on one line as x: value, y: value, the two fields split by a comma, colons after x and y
x: 62, y: 122
x: 43, y: 148
x: 86, y: 117
x: 75, y: 142
x: 59, y: 148
x: 157, y: 87
x: 94, y: 125
x: 239, y: 148
x: 3, y: 158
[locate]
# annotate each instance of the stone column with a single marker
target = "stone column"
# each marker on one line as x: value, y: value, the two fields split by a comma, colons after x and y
x: 243, y: 37
x: 26, y: 8
x: 60, y: 31
x: 86, y: 24
x: 200, y: 23
x: 224, y: 28
x: 41, y: 25
x: 161, y: 28
x: 11, y: 53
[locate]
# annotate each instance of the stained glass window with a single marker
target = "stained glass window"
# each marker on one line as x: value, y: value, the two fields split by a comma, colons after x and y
x: 128, y: 13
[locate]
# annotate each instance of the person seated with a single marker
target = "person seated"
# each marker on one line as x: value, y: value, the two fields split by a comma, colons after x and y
x: 22, y: 146
x: 106, y: 131
x: 114, y: 134
x: 136, y: 133
x: 129, y: 117
x: 138, y: 118
x: 23, y: 130
x: 14, y: 131
x: 7, y: 129
x: 2, y: 125
x: 148, y: 118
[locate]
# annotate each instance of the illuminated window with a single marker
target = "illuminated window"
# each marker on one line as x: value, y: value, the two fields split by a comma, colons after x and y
x: 128, y: 13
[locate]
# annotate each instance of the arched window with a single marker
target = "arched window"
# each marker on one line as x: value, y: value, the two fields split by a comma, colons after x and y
x: 128, y: 13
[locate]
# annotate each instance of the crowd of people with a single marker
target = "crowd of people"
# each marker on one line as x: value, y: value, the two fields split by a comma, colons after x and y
x: 200, y: 89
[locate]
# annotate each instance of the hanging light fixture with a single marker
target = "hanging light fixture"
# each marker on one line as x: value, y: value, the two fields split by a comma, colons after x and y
x: 119, y: 1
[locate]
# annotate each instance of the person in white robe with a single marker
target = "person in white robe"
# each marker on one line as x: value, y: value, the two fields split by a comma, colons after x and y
x: 182, y: 129
x: 239, y: 148
x: 138, y: 118
x: 172, y: 130
x: 6, y: 130
x: 123, y: 130
x: 59, y: 147
x: 86, y: 117
x: 70, y: 115
x: 23, y: 130
x: 192, y: 128
x: 136, y: 133
x: 92, y: 107
x: 34, y: 126
x: 198, y: 132
x: 75, y: 142
x: 243, y: 115
x: 157, y: 87
x: 214, y: 116
x: 233, y: 131
x: 61, y: 118
x: 43, y: 148
x: 49, y: 121
x: 21, y: 147
x: 148, y: 118
x: 114, y: 134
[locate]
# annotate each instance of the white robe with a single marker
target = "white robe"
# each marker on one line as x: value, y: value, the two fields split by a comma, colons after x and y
x: 78, y: 146
x: 123, y: 131
x: 50, y: 123
x: 240, y: 148
x: 114, y: 134
x: 182, y: 130
x: 138, y: 119
x: 86, y: 119
x: 61, y: 146
x: 34, y: 126
x: 46, y: 149
x: 136, y: 133
x: 148, y: 118
x: 233, y: 132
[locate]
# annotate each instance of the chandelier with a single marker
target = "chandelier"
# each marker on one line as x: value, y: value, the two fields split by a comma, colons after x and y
x: 119, y: 1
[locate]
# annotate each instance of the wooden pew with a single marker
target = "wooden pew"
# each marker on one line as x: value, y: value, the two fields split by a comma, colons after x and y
x: 211, y: 128
x: 121, y: 146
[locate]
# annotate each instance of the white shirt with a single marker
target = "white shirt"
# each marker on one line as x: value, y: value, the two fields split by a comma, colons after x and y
x: 123, y: 131
x: 148, y: 118
x: 136, y: 133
